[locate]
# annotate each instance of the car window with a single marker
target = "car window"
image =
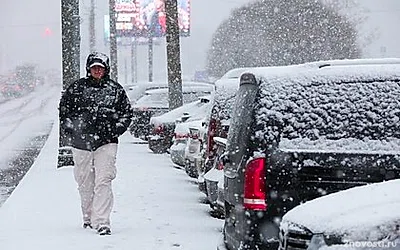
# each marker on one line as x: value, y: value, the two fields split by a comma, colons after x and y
x: 223, y: 108
x: 346, y: 115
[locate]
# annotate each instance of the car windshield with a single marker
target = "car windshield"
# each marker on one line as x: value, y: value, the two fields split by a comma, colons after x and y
x: 160, y: 99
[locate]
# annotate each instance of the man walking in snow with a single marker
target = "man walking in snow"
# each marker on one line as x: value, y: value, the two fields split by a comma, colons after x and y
x: 94, y: 111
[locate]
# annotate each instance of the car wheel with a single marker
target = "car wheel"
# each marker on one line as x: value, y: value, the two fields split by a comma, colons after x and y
x: 157, y: 148
x: 216, y: 213
x: 191, y: 172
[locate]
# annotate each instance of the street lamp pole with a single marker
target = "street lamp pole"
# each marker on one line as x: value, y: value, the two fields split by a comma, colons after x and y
x: 92, y: 27
x: 173, y: 55
x: 134, y: 60
x: 113, y: 41
x: 70, y: 25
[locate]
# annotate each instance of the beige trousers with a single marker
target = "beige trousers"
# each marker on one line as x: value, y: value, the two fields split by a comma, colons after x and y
x: 94, y: 171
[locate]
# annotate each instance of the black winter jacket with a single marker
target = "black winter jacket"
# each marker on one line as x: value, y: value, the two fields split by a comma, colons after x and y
x: 93, y: 113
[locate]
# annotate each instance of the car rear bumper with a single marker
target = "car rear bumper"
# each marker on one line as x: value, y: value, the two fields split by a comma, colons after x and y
x: 202, y: 185
x: 177, y: 156
x: 212, y: 191
x: 158, y: 145
x: 250, y: 230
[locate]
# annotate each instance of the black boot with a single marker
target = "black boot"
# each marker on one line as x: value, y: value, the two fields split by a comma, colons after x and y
x: 104, y: 230
x: 87, y: 225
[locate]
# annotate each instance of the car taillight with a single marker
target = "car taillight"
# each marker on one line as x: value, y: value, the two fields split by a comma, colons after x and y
x: 180, y: 136
x: 159, y: 129
x: 220, y: 165
x: 194, y: 136
x: 254, y: 185
x: 212, y: 127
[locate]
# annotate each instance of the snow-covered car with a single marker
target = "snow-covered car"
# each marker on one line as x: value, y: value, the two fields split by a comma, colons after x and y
x: 214, y: 179
x: 303, y: 131
x: 163, y: 126
x: 232, y: 76
x: 366, y: 217
x: 183, y: 136
x: 155, y: 102
x: 194, y: 150
x: 137, y: 90
x: 179, y: 141
x: 219, y: 119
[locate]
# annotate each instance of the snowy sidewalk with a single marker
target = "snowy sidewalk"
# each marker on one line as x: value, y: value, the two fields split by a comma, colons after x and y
x: 156, y: 207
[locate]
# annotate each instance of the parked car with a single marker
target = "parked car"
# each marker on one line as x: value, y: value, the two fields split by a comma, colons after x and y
x: 194, y: 150
x: 184, y: 135
x: 163, y: 126
x: 300, y: 132
x: 218, y: 120
x: 214, y: 179
x: 137, y: 90
x: 365, y: 217
x: 155, y: 102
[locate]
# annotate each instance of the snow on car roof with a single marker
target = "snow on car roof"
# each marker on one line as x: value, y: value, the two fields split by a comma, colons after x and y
x: 183, y: 127
x: 158, y: 98
x: 234, y: 73
x: 365, y: 213
x: 332, y: 102
x: 197, y: 110
x: 188, y: 88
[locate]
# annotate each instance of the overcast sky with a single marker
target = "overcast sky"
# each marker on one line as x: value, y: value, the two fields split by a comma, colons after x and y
x: 23, y: 24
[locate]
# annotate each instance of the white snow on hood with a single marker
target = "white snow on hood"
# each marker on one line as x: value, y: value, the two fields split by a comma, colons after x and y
x: 366, y: 213
x: 197, y: 110
x: 183, y: 127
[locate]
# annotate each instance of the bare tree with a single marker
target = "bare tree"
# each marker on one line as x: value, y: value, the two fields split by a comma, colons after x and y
x: 275, y: 32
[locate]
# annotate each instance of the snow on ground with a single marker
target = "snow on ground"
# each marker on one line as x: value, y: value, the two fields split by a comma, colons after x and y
x: 156, y: 207
x: 24, y: 125
x: 25, y: 118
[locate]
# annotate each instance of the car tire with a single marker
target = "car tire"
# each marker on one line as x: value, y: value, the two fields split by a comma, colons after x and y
x: 190, y: 171
x: 158, y: 150
x: 216, y: 213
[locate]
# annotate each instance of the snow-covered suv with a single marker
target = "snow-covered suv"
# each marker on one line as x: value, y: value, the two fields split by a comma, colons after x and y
x: 300, y: 132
